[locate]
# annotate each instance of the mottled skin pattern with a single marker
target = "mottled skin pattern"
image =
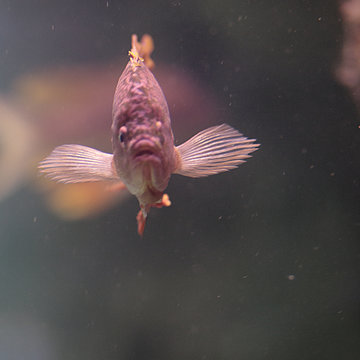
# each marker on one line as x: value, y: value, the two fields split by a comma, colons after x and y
x: 144, y: 154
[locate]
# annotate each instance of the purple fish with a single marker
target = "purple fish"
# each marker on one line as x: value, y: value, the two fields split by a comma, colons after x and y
x: 144, y: 155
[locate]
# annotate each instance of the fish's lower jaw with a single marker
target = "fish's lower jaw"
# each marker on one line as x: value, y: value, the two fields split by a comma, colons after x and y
x: 146, y: 152
x: 146, y: 159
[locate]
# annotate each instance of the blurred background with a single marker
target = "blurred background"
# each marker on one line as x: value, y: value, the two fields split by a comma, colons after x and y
x: 258, y: 263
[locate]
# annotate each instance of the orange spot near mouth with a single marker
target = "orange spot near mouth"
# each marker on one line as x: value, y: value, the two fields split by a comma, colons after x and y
x: 165, y: 201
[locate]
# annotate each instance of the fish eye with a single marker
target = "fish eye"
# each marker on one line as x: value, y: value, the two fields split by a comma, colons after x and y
x: 122, y: 133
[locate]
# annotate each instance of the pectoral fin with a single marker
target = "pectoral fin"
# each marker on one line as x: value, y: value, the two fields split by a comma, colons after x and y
x: 76, y: 163
x: 214, y: 150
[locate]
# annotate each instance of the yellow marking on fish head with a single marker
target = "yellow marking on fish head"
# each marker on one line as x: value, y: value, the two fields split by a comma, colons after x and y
x: 135, y: 58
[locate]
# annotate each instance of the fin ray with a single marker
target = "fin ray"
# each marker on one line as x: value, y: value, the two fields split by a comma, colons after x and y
x: 76, y: 163
x: 214, y: 150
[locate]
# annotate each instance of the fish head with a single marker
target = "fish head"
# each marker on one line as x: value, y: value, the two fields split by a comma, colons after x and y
x: 143, y: 143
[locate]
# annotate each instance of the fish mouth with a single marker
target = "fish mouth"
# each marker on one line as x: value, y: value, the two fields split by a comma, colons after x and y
x: 145, y: 149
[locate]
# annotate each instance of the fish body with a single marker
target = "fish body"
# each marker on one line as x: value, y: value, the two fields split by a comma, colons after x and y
x: 144, y: 156
x: 142, y: 139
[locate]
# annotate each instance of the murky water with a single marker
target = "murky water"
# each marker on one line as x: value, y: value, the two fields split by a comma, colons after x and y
x: 258, y: 263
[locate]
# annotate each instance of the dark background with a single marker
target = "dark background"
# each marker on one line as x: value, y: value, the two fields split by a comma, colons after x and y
x: 258, y: 263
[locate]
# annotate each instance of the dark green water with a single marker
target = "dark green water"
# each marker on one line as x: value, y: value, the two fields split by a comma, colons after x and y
x: 258, y: 263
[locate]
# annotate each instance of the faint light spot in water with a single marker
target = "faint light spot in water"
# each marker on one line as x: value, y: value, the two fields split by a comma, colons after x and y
x: 291, y: 277
x: 176, y: 3
x: 213, y: 30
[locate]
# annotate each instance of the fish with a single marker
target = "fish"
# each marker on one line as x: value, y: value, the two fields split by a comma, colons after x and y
x: 144, y: 154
